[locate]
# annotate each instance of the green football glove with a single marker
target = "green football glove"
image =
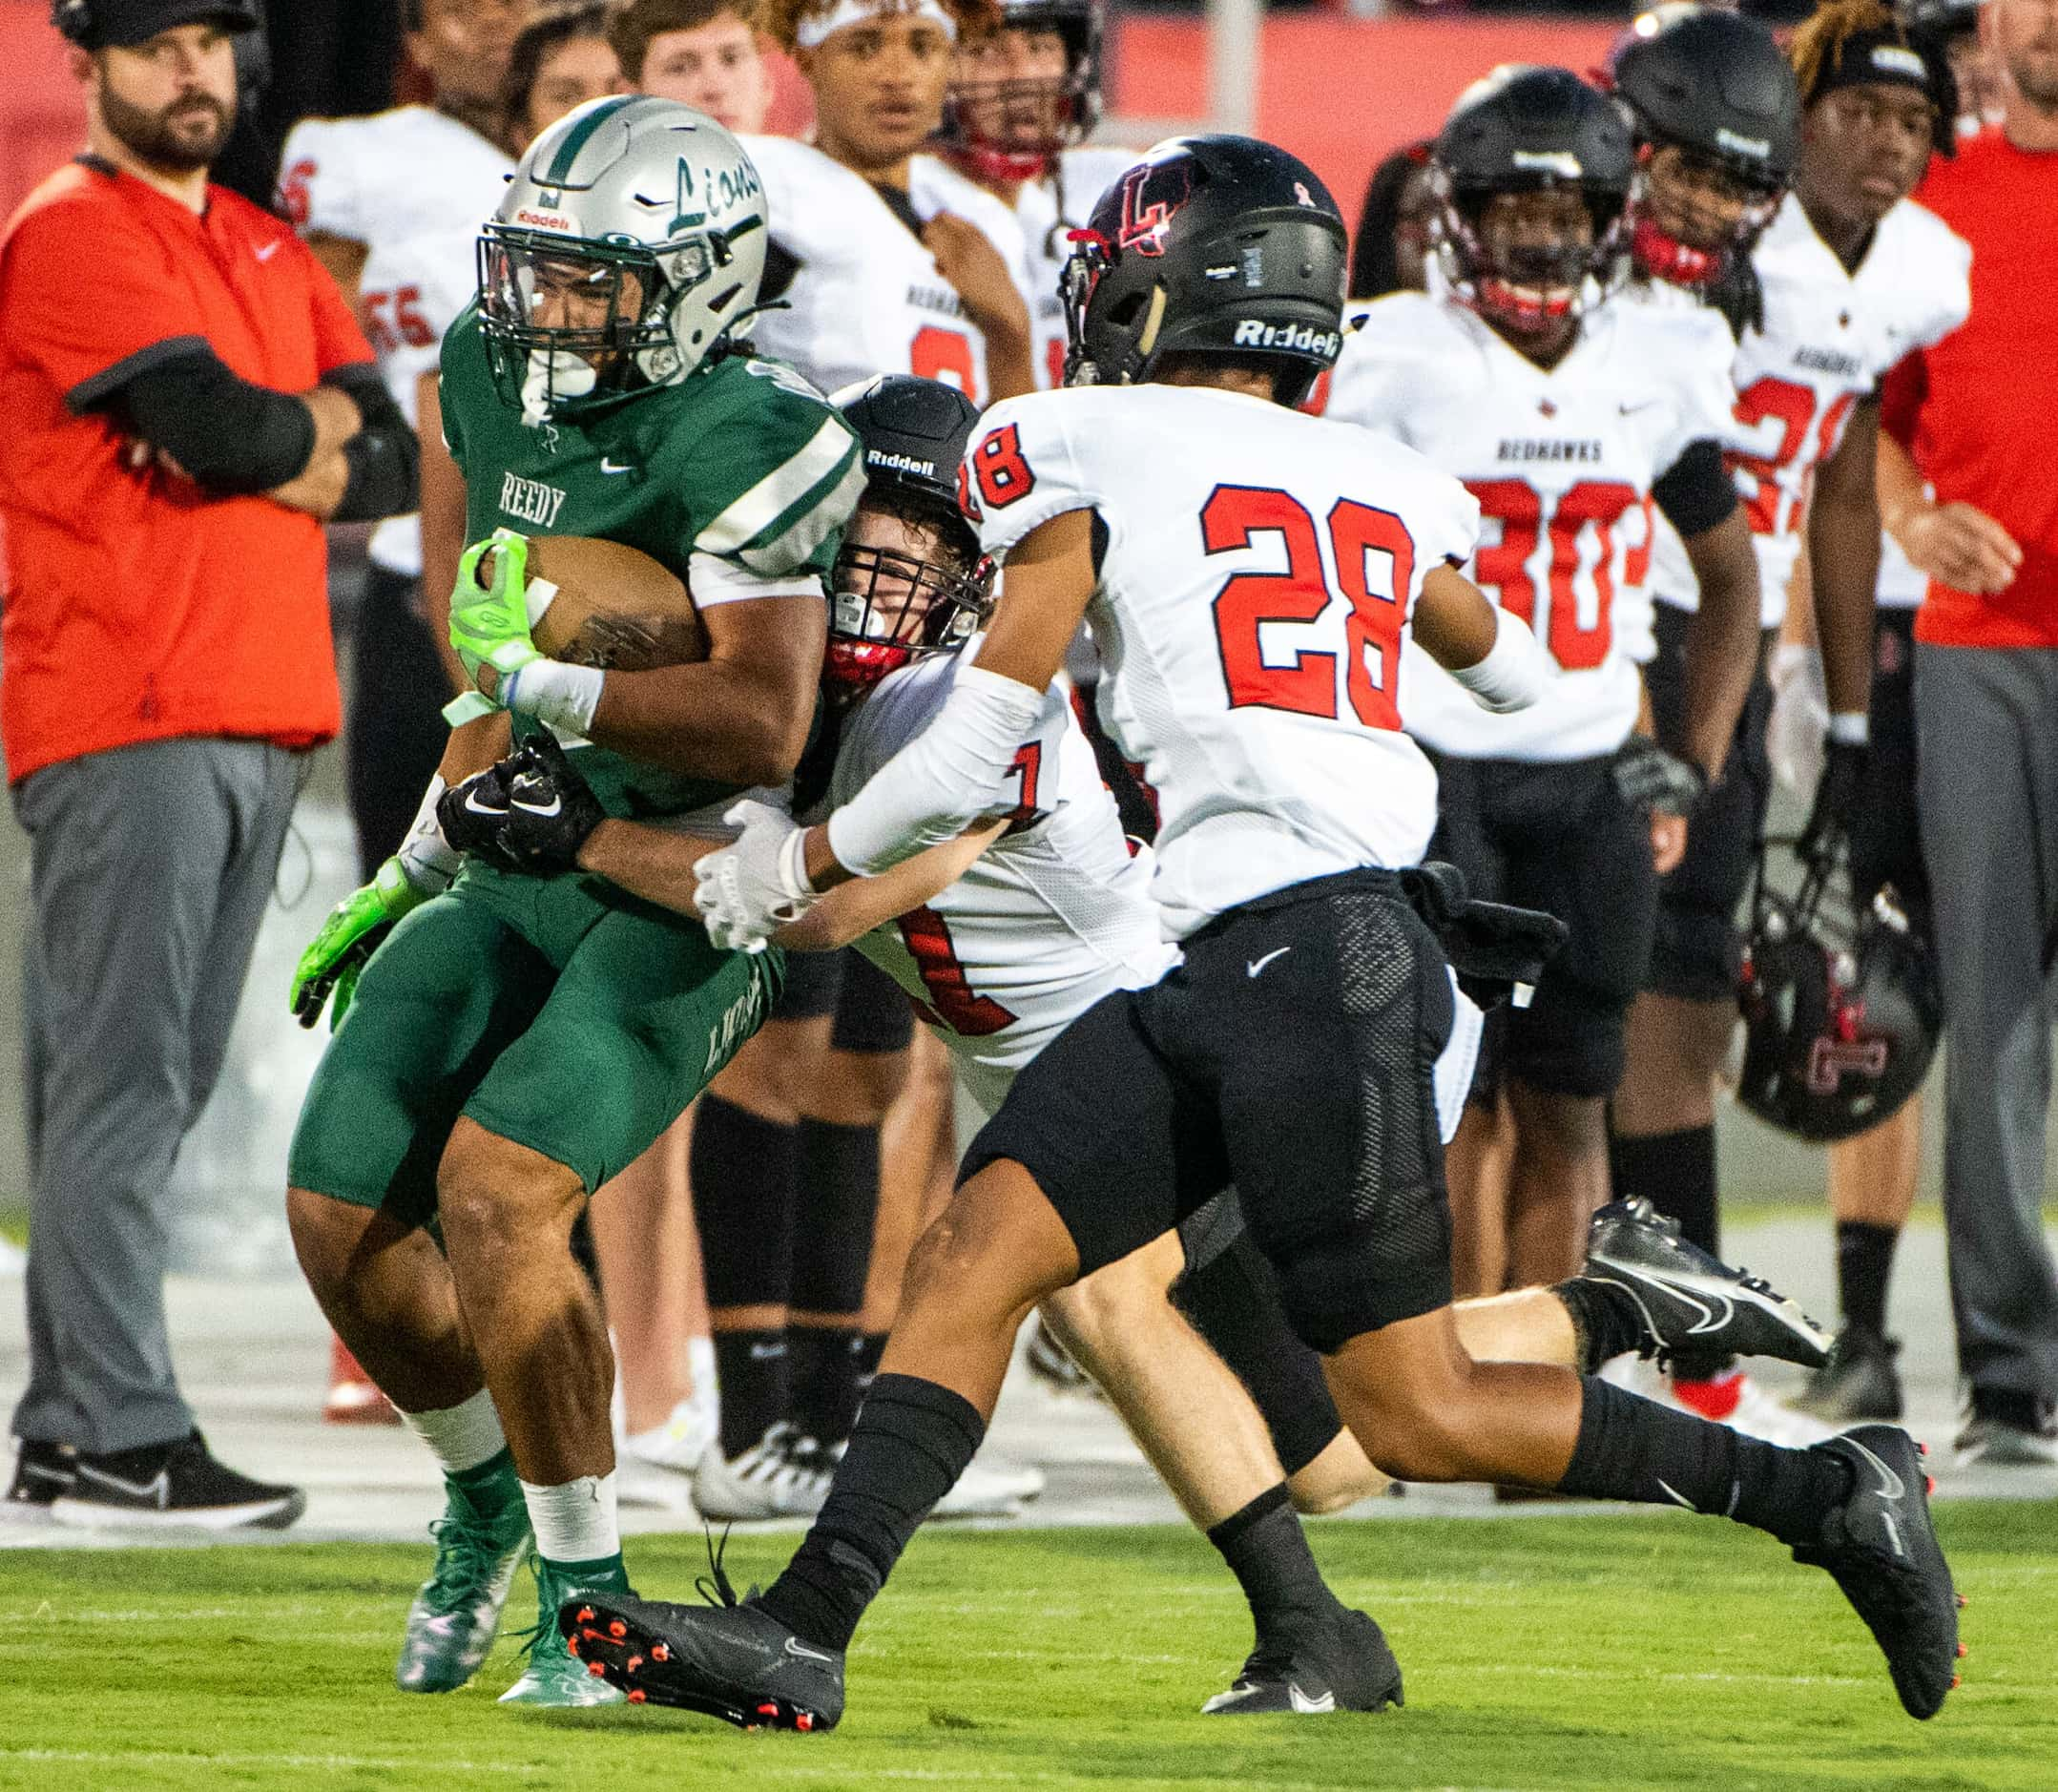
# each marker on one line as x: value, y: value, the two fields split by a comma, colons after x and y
x: 491, y: 627
x: 350, y: 935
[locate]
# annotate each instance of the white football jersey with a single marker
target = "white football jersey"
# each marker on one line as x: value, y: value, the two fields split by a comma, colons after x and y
x: 1562, y: 463
x: 1050, y: 918
x: 1259, y: 570
x: 1829, y: 337
x: 868, y: 298
x: 1047, y: 210
x: 414, y: 186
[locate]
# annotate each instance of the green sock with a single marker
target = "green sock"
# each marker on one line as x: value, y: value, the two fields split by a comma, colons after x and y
x: 492, y: 1487
x: 605, y: 1573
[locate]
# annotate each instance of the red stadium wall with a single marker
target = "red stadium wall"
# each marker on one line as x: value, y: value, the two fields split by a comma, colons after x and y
x: 1339, y: 92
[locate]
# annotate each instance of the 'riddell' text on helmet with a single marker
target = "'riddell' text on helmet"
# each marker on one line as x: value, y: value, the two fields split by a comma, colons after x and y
x: 1210, y: 245
x: 628, y: 245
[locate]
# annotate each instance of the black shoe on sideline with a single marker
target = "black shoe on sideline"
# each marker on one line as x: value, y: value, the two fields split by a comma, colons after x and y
x: 42, y: 1473
x: 1882, y: 1549
x: 1858, y: 1382
x: 1693, y: 1303
x: 1347, y: 1667
x: 172, y: 1484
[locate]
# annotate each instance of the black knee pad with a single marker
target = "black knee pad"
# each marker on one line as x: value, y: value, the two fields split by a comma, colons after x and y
x: 1696, y: 954
x: 1569, y: 1044
x: 743, y: 1200
x: 1340, y: 1287
x: 1228, y: 1296
x: 836, y: 1205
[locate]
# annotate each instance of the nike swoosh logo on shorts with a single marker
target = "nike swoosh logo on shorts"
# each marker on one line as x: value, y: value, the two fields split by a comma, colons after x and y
x: 610, y: 467
x: 1257, y: 965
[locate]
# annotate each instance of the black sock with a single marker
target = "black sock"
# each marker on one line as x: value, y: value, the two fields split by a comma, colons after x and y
x: 1606, y: 1320
x: 829, y: 1373
x: 1267, y: 1550
x: 755, y: 1374
x: 1675, y: 1173
x: 1865, y: 1262
x: 1631, y: 1449
x: 910, y: 1444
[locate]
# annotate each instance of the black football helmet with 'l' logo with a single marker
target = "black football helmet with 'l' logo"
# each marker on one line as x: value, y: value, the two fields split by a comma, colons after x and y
x: 1841, y: 1010
x: 1210, y: 245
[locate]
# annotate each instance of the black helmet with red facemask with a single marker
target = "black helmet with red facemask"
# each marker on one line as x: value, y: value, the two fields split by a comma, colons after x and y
x: 1523, y: 130
x: 891, y: 605
x: 1713, y: 87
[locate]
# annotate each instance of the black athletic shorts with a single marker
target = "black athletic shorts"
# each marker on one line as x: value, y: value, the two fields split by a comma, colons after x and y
x: 872, y: 1011
x: 1886, y: 839
x: 1293, y: 1052
x: 1698, y: 950
x: 1557, y: 837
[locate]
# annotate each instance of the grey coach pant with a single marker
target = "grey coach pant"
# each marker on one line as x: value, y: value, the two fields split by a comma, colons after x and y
x: 150, y: 870
x: 1986, y: 720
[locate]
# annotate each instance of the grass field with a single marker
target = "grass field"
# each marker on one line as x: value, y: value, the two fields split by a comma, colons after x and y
x: 1619, y: 1652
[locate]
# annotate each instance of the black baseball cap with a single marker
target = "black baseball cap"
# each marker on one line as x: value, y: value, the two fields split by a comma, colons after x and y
x: 122, y: 24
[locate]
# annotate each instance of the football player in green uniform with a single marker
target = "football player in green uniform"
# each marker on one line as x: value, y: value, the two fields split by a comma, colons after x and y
x: 514, y: 1041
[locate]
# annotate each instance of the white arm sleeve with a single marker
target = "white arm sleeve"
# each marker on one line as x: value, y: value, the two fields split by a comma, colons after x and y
x: 949, y: 776
x: 1515, y: 671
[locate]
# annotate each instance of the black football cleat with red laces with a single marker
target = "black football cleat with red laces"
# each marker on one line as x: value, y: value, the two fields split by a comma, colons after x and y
x: 732, y: 1661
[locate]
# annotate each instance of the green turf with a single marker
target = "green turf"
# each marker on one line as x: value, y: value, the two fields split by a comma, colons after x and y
x: 1644, y: 1651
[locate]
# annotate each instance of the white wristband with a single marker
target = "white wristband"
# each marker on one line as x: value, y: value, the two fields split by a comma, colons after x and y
x: 944, y: 780
x: 562, y: 697
x: 428, y: 860
x: 1850, y: 727
x: 1515, y: 671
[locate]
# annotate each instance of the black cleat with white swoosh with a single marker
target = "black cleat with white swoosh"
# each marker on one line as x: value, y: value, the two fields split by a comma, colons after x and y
x: 1346, y: 1665
x: 174, y: 1485
x: 1690, y: 1301
x: 1882, y: 1549
x: 732, y: 1661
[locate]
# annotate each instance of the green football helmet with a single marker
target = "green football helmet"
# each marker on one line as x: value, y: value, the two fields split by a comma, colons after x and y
x: 630, y: 242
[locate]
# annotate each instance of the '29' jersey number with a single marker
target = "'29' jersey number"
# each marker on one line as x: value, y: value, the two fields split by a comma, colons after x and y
x: 1375, y: 566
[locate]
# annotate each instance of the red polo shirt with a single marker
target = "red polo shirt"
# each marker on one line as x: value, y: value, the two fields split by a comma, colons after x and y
x: 137, y: 607
x: 1975, y: 411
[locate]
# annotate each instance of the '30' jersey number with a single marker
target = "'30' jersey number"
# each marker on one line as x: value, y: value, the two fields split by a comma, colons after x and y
x: 1375, y: 566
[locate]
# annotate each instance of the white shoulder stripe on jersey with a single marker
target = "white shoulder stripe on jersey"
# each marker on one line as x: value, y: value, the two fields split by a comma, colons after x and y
x: 714, y: 581
x: 811, y: 527
x: 778, y: 490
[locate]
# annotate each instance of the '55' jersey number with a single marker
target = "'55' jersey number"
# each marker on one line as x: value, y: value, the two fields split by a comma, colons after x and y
x: 1375, y: 566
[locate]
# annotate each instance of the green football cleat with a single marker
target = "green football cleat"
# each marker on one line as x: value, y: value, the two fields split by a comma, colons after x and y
x: 455, y: 1617
x: 555, y: 1677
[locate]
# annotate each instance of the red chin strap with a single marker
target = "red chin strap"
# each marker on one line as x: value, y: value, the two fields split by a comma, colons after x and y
x: 1515, y: 306
x: 989, y: 161
x: 851, y: 668
x: 1662, y: 256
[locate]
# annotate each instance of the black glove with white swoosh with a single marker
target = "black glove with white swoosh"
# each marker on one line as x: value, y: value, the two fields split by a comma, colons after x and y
x: 531, y: 813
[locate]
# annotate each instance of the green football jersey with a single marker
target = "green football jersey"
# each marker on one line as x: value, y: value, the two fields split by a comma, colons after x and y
x: 742, y: 459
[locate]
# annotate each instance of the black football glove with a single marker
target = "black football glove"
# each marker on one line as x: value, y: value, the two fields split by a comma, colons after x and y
x: 1835, y: 802
x: 1653, y: 780
x: 471, y: 813
x: 550, y: 810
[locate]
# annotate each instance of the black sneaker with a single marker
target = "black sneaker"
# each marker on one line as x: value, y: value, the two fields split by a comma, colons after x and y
x: 1858, y: 1382
x: 164, y: 1485
x: 728, y: 1659
x: 2008, y: 1430
x: 1690, y: 1301
x: 1347, y: 1667
x: 42, y: 1473
x: 1882, y: 1549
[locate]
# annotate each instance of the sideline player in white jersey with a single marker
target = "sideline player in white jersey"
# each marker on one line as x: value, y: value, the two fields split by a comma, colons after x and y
x: 1570, y: 416
x: 1254, y: 571
x: 876, y: 272
x: 1850, y: 276
x: 391, y: 205
x: 1005, y: 936
x: 1024, y: 97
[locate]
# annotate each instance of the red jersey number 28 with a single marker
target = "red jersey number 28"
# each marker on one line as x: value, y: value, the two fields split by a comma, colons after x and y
x: 1375, y: 565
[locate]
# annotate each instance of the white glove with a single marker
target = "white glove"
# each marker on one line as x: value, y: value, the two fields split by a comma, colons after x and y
x: 1800, y: 723
x: 749, y: 890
